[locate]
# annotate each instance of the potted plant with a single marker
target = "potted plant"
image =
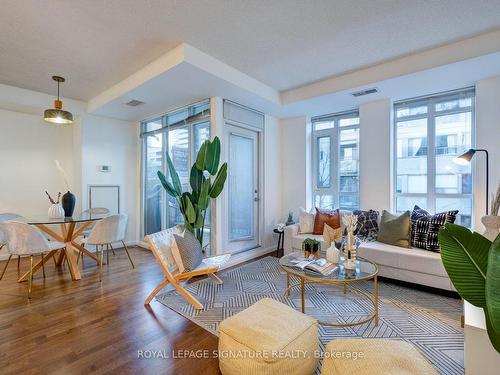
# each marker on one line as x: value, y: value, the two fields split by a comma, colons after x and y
x: 194, y: 204
x: 289, y: 220
x: 310, y: 246
x: 473, y: 264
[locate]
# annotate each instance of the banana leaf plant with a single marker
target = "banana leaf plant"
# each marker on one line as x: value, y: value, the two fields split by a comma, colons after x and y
x: 194, y: 204
x: 473, y: 264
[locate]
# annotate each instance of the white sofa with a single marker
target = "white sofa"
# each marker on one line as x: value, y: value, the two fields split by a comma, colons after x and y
x: 412, y: 265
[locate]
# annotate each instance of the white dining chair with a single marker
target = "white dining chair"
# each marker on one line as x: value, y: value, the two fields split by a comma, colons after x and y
x: 105, y: 232
x: 94, y: 211
x: 7, y: 216
x: 25, y: 240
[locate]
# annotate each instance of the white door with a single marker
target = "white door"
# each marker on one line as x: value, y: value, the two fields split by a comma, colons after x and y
x: 242, y: 230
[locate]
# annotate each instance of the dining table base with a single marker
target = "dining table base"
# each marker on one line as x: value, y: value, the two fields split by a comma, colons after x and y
x: 69, y: 234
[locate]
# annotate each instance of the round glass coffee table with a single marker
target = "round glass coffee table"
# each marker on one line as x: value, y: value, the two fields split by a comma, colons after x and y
x: 364, y: 270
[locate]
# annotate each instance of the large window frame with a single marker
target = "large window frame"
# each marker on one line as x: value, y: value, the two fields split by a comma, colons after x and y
x: 331, y: 127
x: 190, y: 117
x: 430, y: 115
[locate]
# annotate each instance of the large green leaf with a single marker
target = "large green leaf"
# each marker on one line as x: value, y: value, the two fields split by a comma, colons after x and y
x: 213, y: 156
x: 202, y: 154
x: 189, y: 211
x: 166, y: 185
x: 465, y: 258
x: 174, y: 176
x: 492, y: 309
x: 204, y: 197
x: 196, y: 179
x: 219, y: 181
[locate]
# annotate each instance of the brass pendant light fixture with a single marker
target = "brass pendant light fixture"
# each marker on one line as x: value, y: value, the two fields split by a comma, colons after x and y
x: 57, y: 115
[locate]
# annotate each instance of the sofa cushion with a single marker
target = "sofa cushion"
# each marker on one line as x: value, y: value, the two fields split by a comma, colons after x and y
x: 412, y: 259
x: 395, y: 230
x: 330, y: 234
x: 367, y: 225
x: 306, y: 221
x: 425, y: 227
x: 332, y: 218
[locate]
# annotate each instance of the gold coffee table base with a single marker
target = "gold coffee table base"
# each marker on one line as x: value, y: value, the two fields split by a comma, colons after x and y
x: 373, y: 299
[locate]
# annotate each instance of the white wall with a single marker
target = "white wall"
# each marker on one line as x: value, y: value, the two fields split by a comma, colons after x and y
x: 272, y: 180
x: 106, y: 141
x: 375, y: 145
x: 295, y: 165
x: 28, y: 148
x: 487, y: 137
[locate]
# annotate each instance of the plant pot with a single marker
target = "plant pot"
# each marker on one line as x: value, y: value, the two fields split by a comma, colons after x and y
x: 68, y: 202
x: 307, y: 250
x: 492, y: 225
x: 55, y: 211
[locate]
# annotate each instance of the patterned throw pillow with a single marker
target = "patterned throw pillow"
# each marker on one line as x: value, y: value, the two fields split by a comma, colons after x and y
x: 425, y: 227
x: 367, y: 227
x: 188, y: 249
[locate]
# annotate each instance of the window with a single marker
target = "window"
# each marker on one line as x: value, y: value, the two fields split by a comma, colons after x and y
x: 430, y: 133
x: 181, y: 132
x: 336, y: 161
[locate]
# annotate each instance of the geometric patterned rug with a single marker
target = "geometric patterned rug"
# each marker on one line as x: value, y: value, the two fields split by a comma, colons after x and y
x: 430, y: 322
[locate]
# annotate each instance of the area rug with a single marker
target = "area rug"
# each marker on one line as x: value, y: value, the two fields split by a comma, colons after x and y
x: 430, y: 322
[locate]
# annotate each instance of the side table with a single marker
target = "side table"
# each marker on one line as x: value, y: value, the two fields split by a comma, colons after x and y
x: 281, y: 242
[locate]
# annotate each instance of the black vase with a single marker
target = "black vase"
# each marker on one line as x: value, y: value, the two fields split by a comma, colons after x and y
x: 68, y: 202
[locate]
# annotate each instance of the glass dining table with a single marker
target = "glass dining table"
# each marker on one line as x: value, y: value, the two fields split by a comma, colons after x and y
x: 70, y: 229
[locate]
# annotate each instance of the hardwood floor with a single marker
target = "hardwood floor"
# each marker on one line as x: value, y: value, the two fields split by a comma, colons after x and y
x: 83, y: 327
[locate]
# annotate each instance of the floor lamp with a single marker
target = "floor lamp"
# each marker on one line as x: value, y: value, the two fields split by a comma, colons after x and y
x: 465, y: 159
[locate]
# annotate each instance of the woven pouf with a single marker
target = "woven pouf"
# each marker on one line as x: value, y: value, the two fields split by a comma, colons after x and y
x: 268, y: 338
x: 374, y: 357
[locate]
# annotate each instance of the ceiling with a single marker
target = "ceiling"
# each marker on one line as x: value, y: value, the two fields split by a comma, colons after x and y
x: 282, y: 43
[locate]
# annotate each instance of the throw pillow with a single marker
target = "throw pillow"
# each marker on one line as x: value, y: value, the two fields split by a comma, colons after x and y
x: 425, y: 227
x: 306, y: 221
x: 394, y: 229
x: 367, y: 226
x: 332, y: 218
x: 331, y: 234
x: 188, y: 249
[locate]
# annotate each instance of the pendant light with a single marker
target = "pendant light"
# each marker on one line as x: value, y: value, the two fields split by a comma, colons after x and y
x: 57, y: 115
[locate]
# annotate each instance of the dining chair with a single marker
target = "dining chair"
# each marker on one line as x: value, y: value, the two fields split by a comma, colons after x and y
x: 105, y: 232
x: 7, y: 216
x: 160, y: 244
x: 93, y: 211
x: 26, y: 240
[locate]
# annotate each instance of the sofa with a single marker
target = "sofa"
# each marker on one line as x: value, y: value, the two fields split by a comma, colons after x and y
x: 412, y: 265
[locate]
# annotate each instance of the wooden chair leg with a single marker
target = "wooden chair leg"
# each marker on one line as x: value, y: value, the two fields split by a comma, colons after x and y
x: 188, y: 296
x: 215, y: 278
x: 5, y: 268
x: 100, y: 263
x: 155, y: 292
x: 18, y: 261
x: 30, y: 278
x: 43, y: 266
x: 107, y: 255
x: 128, y: 254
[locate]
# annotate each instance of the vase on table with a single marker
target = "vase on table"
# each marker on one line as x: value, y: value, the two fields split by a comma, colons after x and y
x: 68, y: 204
x: 55, y: 211
x: 332, y: 254
x: 492, y: 225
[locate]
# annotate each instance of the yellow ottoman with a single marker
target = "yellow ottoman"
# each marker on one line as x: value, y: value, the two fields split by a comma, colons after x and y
x: 268, y: 338
x: 374, y: 357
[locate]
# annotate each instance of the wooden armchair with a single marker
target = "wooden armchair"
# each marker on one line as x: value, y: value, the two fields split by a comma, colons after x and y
x: 160, y: 244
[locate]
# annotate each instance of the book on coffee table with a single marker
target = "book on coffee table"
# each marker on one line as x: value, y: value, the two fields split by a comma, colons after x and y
x: 319, y: 266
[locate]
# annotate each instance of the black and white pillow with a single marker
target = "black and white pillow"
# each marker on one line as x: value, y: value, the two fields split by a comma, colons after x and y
x: 425, y: 227
x: 367, y: 226
x: 188, y: 249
